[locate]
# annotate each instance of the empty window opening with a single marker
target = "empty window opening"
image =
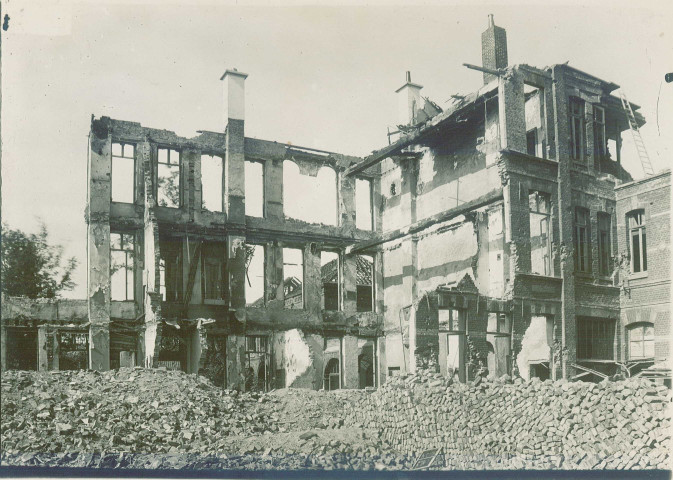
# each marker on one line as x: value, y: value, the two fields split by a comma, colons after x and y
x: 637, y: 241
x: 641, y: 341
x: 330, y: 273
x: 170, y: 271
x: 604, y: 244
x: 365, y: 283
x: 452, y: 334
x: 577, y: 140
x: 534, y: 114
x: 212, y: 181
x: 168, y: 174
x: 293, y: 278
x: 332, y: 355
x: 600, y: 139
x: 213, y: 278
x: 73, y: 350
x: 123, y: 172
x: 310, y: 198
x: 582, y: 245
x: 257, y: 363
x: 121, y: 266
x: 363, y: 204
x: 254, y: 275
x: 539, y: 205
x: 367, y: 363
x: 595, y: 338
x: 254, y: 189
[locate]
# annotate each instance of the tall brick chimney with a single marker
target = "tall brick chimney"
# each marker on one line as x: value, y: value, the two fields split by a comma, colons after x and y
x: 234, y: 95
x: 493, y: 48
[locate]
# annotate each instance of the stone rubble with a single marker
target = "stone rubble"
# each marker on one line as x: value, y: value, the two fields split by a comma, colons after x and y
x: 502, y: 424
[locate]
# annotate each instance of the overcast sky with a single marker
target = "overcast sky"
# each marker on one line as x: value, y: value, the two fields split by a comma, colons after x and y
x: 321, y: 77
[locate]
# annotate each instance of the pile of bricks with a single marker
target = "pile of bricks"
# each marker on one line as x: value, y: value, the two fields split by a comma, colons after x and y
x: 505, y: 424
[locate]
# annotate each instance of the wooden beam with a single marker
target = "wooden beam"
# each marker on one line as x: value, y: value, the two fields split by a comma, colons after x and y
x: 497, y: 73
x: 492, y: 196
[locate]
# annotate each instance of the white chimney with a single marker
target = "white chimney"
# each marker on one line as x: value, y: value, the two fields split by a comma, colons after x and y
x: 234, y: 95
x: 409, y: 101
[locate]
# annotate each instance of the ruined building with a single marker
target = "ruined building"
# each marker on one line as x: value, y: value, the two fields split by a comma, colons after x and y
x: 484, y: 239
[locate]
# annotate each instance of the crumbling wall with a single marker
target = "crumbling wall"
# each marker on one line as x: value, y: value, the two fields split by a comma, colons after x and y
x: 535, y: 345
x: 300, y: 357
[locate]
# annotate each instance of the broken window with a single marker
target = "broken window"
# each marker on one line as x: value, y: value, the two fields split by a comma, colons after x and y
x: 604, y: 244
x: 365, y: 283
x: 600, y: 140
x: 367, y: 363
x: 332, y: 359
x: 311, y: 197
x: 293, y: 278
x: 212, y: 181
x: 637, y: 241
x: 363, y: 204
x: 577, y: 128
x: 257, y: 363
x: 330, y: 273
x: 170, y: 271
x: 168, y: 174
x: 254, y: 189
x: 641, y: 341
x: 595, y: 338
x: 254, y: 275
x: 582, y: 245
x: 539, y: 205
x: 534, y: 115
x: 452, y: 324
x: 121, y: 266
x: 123, y: 172
x: 213, y: 278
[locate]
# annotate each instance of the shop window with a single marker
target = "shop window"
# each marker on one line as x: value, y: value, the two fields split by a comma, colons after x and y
x: 168, y: 175
x: 641, y: 341
x: 212, y: 181
x: 637, y: 241
x: 365, y: 283
x: 311, y: 198
x: 254, y: 275
x: 330, y: 274
x: 293, y: 278
x: 577, y: 135
x: 540, y: 239
x: 582, y: 244
x: 604, y: 244
x: 595, y: 338
x: 170, y: 271
x: 257, y: 363
x: 363, y: 204
x: 121, y: 266
x: 254, y: 189
x: 213, y: 278
x: 123, y: 172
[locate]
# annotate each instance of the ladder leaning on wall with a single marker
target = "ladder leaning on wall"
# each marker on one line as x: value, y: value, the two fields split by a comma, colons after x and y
x: 637, y: 139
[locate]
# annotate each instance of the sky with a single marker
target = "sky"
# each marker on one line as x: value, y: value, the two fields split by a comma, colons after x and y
x: 320, y: 76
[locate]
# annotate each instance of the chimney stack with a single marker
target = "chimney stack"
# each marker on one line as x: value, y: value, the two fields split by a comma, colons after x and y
x: 493, y: 48
x: 234, y: 95
x: 409, y: 101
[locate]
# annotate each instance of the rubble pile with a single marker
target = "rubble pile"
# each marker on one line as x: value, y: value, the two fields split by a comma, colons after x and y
x: 502, y: 424
x: 129, y: 410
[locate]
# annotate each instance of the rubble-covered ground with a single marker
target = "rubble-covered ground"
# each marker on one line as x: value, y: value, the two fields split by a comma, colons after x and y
x: 150, y: 418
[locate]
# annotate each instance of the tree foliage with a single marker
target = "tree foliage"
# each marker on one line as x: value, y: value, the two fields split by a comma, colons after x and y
x: 31, y: 267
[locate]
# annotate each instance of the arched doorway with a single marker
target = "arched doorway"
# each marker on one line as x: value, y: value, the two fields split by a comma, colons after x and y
x: 332, y: 379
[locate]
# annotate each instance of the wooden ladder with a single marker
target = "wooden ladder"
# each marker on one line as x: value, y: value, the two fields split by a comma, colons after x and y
x: 637, y: 139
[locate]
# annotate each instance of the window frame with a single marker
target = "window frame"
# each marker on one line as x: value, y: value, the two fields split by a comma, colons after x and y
x: 157, y: 163
x: 539, y: 197
x: 214, y: 253
x: 339, y: 279
x: 372, y: 222
x: 642, y: 326
x: 600, y: 149
x: 577, y: 128
x: 221, y: 157
x: 123, y: 145
x: 582, y: 232
x: 303, y: 279
x: 641, y: 230
x: 373, y: 285
x: 263, y: 164
x: 247, y: 277
x: 132, y: 270
x: 604, y: 221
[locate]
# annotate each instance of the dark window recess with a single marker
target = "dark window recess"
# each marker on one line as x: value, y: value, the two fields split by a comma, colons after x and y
x: 258, y: 363
x: 366, y: 366
x: 330, y: 276
x: 531, y: 142
x: 332, y: 375
x: 365, y: 283
x: 604, y: 244
x: 21, y: 349
x: 638, y: 241
x: 170, y: 271
x: 214, y: 262
x: 595, y: 338
x: 577, y: 129
x: 582, y: 245
x: 173, y: 349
